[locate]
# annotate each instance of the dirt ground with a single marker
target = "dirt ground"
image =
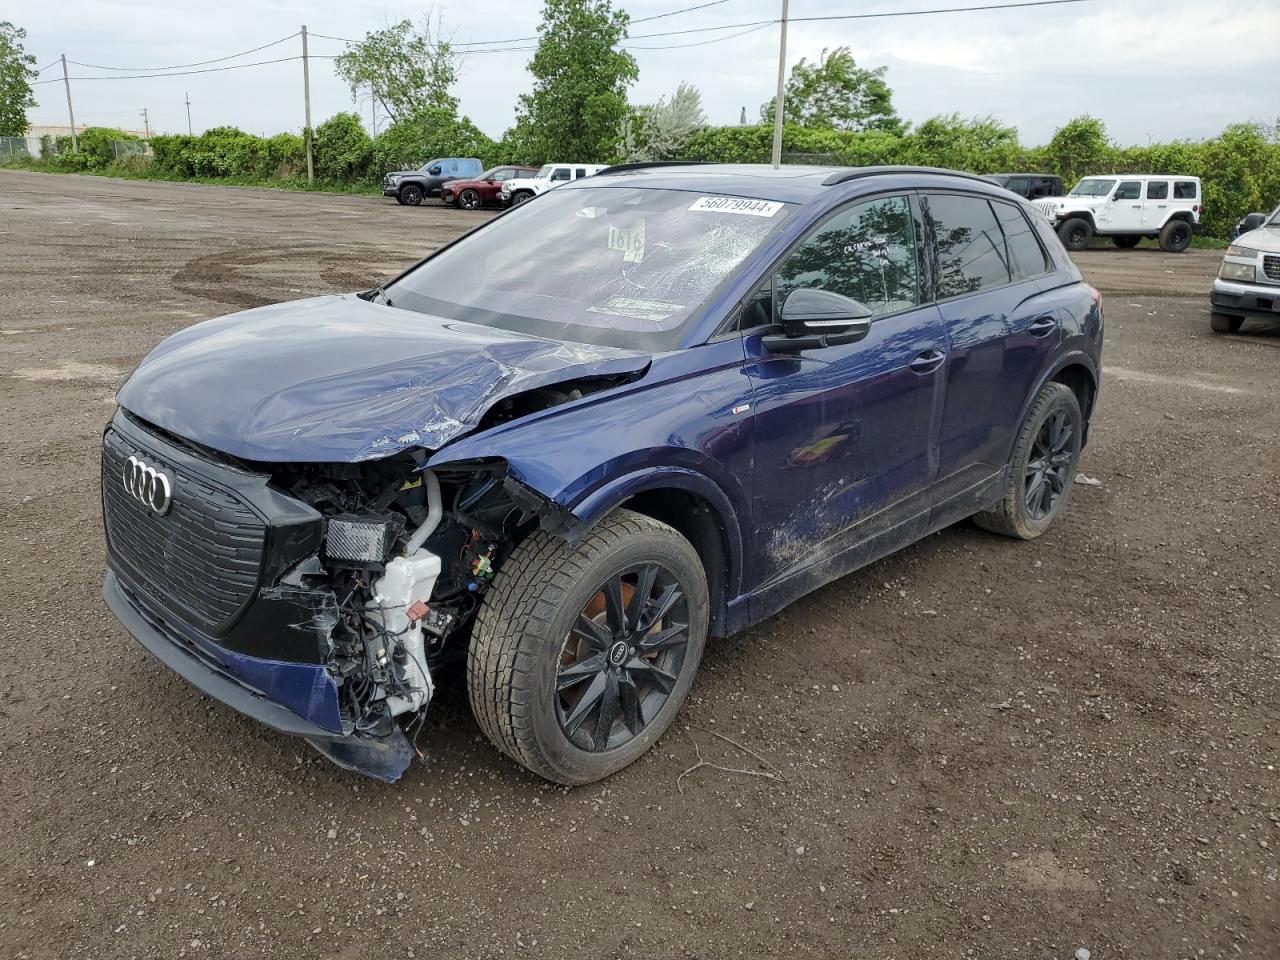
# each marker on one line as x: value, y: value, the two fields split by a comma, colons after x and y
x: 990, y: 749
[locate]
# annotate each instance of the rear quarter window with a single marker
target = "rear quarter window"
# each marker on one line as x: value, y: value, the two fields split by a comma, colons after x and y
x: 1185, y: 190
x: 1026, y: 256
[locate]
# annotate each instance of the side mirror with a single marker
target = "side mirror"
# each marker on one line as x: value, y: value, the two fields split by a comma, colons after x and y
x: 814, y: 318
x: 434, y: 171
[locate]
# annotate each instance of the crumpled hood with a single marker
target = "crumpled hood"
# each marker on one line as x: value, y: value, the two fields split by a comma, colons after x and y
x: 1266, y: 239
x: 338, y: 379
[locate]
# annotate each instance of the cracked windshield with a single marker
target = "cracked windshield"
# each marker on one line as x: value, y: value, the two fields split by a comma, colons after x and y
x: 619, y: 267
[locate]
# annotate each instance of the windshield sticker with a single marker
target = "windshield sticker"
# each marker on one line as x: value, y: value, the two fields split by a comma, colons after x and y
x: 750, y: 208
x: 654, y: 311
x: 630, y: 242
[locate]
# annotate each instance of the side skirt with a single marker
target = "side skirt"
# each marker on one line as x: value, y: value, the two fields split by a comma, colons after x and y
x: 907, y: 523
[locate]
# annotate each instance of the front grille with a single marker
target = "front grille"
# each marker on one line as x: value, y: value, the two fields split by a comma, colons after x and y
x: 199, y: 561
x: 1271, y: 267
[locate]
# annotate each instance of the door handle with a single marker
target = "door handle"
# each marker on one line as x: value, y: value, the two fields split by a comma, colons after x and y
x: 928, y: 361
x: 1043, y: 326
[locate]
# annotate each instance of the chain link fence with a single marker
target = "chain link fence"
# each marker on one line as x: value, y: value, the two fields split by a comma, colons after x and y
x: 11, y: 147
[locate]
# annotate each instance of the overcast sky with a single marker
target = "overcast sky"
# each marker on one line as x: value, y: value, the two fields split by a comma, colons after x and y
x: 1158, y: 69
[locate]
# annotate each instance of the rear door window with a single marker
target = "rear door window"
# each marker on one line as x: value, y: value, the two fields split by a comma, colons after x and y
x: 1185, y: 190
x: 1158, y: 190
x: 1026, y: 256
x: 580, y: 172
x: 971, y: 248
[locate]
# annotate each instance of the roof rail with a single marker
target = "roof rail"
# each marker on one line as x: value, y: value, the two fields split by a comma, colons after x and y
x: 646, y: 164
x: 858, y: 173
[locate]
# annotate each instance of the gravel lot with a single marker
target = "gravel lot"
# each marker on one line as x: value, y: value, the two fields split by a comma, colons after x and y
x: 990, y: 749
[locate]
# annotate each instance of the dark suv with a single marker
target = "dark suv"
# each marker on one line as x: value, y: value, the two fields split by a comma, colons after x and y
x: 654, y: 406
x: 1032, y: 186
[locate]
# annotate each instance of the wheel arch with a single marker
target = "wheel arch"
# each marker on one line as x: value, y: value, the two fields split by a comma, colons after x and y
x: 694, y: 506
x: 1077, y: 371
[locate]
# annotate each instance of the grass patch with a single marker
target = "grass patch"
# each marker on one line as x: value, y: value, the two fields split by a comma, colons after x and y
x: 130, y: 168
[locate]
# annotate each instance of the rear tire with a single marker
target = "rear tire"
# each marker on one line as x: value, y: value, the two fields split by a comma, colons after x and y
x: 1126, y: 242
x: 1175, y: 237
x: 1225, y: 323
x: 1075, y: 233
x: 1042, y: 468
x: 411, y: 195
x: 561, y: 636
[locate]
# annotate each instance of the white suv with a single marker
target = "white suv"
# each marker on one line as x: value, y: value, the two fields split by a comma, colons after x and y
x: 1126, y: 208
x: 551, y: 175
x: 1248, y: 282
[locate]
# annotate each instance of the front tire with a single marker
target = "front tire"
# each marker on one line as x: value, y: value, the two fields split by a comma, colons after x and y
x: 1042, y: 468
x: 1075, y: 233
x: 1224, y: 323
x: 582, y: 655
x: 411, y: 195
x: 469, y: 200
x: 524, y: 196
x: 1175, y: 237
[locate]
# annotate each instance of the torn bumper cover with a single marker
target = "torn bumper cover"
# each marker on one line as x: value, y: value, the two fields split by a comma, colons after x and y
x: 299, y: 699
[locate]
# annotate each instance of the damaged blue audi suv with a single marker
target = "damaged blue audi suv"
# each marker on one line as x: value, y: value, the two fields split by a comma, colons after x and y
x: 653, y: 406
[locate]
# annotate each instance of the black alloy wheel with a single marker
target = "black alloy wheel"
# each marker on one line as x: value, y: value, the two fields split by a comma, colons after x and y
x: 1175, y: 237
x: 522, y: 197
x: 411, y: 195
x: 469, y: 200
x: 1042, y: 467
x: 1051, y: 465
x: 622, y: 658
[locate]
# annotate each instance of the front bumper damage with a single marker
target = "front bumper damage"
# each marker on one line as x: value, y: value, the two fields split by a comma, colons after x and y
x: 298, y: 699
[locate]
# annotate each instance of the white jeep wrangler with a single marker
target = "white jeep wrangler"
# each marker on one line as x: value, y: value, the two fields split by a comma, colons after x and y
x: 551, y: 175
x: 1126, y: 208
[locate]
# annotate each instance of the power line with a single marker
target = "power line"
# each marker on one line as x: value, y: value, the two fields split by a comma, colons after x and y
x: 921, y: 13
x: 744, y: 29
x: 185, y: 73
x: 660, y: 16
x: 702, y: 43
x: 180, y: 66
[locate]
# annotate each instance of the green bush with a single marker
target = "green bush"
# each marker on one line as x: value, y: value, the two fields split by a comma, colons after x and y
x: 341, y: 150
x: 431, y: 132
x: 1240, y: 167
x: 95, y: 148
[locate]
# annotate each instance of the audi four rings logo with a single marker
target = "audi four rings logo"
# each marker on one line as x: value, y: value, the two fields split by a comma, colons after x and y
x: 149, y: 486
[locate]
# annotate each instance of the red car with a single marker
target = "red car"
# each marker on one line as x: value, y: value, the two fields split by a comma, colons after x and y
x: 474, y: 194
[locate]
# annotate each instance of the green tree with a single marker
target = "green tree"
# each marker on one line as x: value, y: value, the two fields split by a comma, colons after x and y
x: 980, y: 144
x: 429, y: 133
x: 581, y: 76
x: 343, y: 151
x: 1079, y: 148
x: 835, y: 92
x: 657, y: 131
x: 406, y: 69
x: 17, y: 70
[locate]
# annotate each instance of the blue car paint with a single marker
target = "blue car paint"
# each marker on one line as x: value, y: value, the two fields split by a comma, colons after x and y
x: 338, y: 379
x: 813, y: 464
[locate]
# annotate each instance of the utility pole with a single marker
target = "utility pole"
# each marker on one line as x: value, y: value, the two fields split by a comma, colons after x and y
x: 146, y: 124
x: 782, y: 76
x: 306, y: 94
x: 75, y: 140
x: 188, y: 96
